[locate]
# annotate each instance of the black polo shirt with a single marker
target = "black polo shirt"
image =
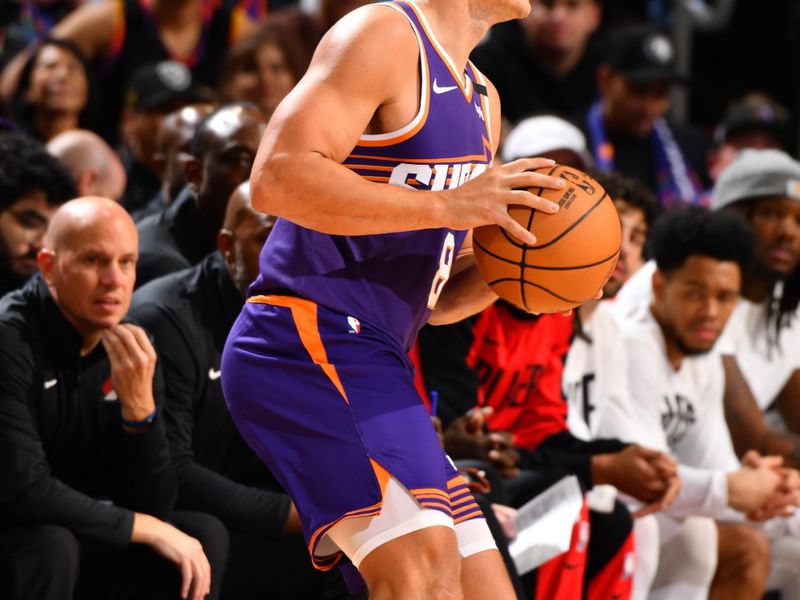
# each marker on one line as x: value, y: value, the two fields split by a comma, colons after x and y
x: 174, y: 239
x: 190, y: 314
x: 64, y: 457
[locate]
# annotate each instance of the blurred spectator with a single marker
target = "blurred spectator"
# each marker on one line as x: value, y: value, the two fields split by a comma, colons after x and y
x: 189, y: 313
x: 303, y: 27
x: 754, y: 121
x: 121, y: 36
x: 84, y: 462
x: 764, y: 332
x: 154, y: 91
x: 26, y: 21
x: 674, y: 399
x: 551, y: 137
x: 591, y: 369
x: 762, y: 337
x: 93, y: 165
x: 223, y: 150
x: 544, y: 63
x: 627, y: 128
x: 259, y: 69
x: 173, y: 144
x: 591, y: 374
x: 56, y: 91
x: 32, y: 186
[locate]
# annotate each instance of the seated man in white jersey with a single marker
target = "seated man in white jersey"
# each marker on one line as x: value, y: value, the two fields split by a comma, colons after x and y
x: 762, y: 340
x: 674, y: 400
x: 764, y: 332
x: 592, y: 364
x: 591, y: 373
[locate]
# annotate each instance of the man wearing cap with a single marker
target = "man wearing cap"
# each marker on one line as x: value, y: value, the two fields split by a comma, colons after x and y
x: 627, y: 128
x: 755, y: 121
x: 153, y: 91
x: 549, y: 136
x: 544, y: 63
x: 763, y: 335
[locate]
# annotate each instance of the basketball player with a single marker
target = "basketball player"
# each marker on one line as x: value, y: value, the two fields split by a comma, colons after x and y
x: 762, y: 341
x: 315, y: 370
x: 676, y: 383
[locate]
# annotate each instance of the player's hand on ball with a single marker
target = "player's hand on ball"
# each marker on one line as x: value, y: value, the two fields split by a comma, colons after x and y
x: 484, y: 200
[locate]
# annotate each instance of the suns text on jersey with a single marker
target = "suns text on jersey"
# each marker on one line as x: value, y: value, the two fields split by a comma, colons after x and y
x: 435, y: 177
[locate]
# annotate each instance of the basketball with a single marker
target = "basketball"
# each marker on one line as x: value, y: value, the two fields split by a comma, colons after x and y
x: 575, y: 253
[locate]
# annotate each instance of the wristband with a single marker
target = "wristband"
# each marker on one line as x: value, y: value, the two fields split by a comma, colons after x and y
x: 143, y: 423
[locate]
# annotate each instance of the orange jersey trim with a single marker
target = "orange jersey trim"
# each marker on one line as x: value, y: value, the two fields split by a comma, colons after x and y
x: 432, y: 161
x: 464, y: 82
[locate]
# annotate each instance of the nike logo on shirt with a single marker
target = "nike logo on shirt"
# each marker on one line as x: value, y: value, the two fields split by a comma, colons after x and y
x: 443, y: 89
x: 50, y: 383
x: 213, y: 375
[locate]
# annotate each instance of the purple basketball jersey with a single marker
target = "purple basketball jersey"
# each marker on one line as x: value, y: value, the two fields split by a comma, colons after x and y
x: 392, y: 281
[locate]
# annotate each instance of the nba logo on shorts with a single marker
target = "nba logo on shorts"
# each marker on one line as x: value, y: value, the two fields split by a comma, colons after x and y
x: 355, y: 325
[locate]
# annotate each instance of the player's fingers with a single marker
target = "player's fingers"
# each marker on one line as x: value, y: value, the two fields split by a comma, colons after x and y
x: 128, y: 344
x: 751, y: 458
x: 527, y: 164
x: 532, y: 181
x: 501, y: 459
x: 110, y: 343
x: 772, y: 461
x: 141, y: 339
x: 672, y: 492
x: 202, y: 578
x: 517, y: 230
x: 186, y: 577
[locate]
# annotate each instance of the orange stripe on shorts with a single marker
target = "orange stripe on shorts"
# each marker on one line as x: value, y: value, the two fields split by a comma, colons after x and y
x: 304, y: 313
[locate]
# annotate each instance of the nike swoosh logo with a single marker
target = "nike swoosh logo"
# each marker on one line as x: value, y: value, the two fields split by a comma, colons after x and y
x: 213, y: 375
x: 444, y: 89
x: 50, y: 383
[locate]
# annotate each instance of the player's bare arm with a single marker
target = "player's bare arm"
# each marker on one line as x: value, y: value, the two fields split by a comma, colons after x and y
x: 746, y: 422
x: 786, y: 402
x: 297, y: 173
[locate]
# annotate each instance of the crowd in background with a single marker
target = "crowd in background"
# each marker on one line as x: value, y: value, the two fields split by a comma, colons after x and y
x: 675, y: 401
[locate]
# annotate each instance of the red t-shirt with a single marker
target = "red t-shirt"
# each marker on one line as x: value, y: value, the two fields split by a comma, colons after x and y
x: 519, y: 361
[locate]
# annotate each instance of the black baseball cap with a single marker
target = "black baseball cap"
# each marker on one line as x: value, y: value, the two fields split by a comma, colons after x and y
x: 643, y: 54
x: 161, y: 85
x: 756, y: 112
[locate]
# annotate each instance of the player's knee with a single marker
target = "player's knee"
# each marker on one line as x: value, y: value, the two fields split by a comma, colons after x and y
x: 418, y: 589
x: 698, y: 545
x: 749, y: 550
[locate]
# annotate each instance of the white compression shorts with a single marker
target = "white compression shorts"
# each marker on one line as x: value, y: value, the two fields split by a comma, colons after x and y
x: 401, y: 514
